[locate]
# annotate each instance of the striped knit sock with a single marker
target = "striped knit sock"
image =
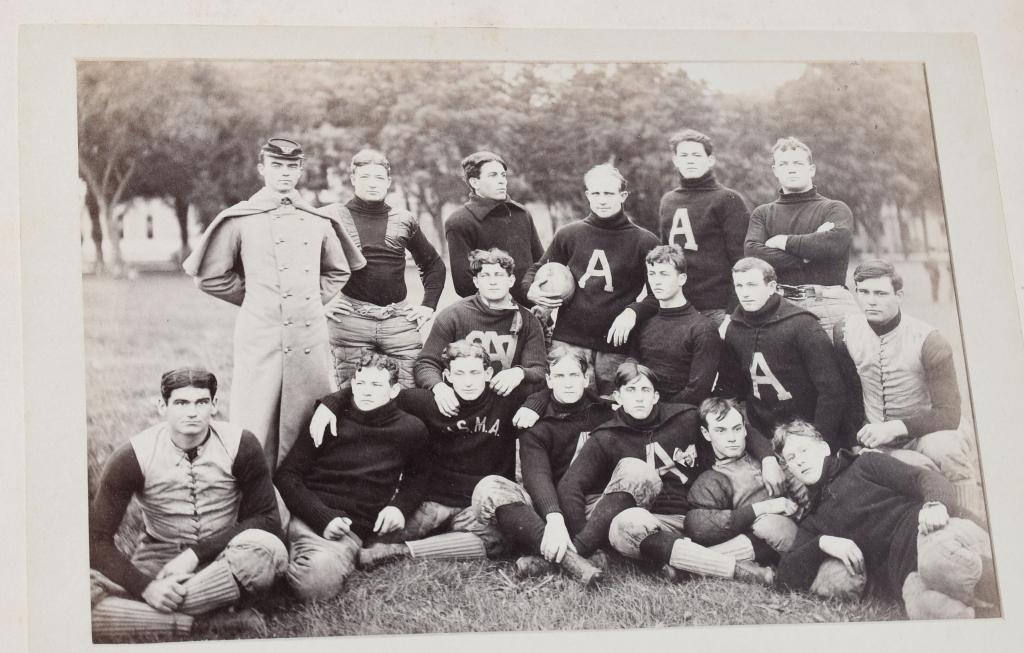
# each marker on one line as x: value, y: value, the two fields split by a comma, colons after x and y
x: 448, y: 545
x: 117, y: 617
x: 739, y: 547
x: 213, y: 587
x: 970, y: 497
x: 690, y: 556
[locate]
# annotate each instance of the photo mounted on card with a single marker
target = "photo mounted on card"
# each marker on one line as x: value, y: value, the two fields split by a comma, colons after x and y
x: 380, y: 342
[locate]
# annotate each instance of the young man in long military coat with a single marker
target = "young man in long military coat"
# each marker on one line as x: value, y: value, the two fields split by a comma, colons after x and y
x: 280, y: 260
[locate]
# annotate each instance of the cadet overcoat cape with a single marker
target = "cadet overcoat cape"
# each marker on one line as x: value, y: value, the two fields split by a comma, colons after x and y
x: 280, y: 263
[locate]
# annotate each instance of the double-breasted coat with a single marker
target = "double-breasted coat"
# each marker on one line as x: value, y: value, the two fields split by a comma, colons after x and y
x: 280, y: 260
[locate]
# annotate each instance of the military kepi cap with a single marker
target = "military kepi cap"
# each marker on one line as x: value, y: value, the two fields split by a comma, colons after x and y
x: 282, y: 148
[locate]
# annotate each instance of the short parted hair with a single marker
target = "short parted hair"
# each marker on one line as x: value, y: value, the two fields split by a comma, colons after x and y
x: 631, y: 369
x: 788, y: 143
x: 381, y: 362
x: 691, y: 136
x: 559, y: 352
x: 672, y: 254
x: 471, y: 164
x: 187, y: 377
x: 717, y: 408
x: 369, y: 157
x: 794, y: 428
x: 749, y: 263
x: 605, y: 169
x: 478, y: 258
x: 465, y: 349
x: 876, y: 268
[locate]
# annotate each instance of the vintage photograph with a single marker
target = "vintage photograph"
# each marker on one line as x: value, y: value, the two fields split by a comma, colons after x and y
x: 452, y: 346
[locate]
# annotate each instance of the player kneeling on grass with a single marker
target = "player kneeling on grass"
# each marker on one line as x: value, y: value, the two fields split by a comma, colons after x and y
x: 895, y: 523
x: 532, y: 521
x: 353, y: 476
x: 646, y: 522
x: 730, y: 499
x: 210, y: 522
x: 476, y: 444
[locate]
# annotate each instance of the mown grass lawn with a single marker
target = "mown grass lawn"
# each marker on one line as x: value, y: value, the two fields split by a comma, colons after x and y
x: 135, y: 330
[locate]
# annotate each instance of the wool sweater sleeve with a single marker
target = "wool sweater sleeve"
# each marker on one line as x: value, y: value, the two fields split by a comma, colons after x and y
x: 754, y: 245
x: 429, y: 366
x: 855, y: 416
x: 711, y: 518
x: 937, y: 359
x: 538, y: 479
x: 707, y: 351
x: 416, y: 474
x: 459, y: 234
x: 589, y: 473
x: 534, y: 354
x: 733, y: 381
x: 735, y: 220
x: 258, y: 505
x: 538, y: 401
x: 431, y: 266
x: 647, y: 307
x: 825, y: 244
x: 220, y: 273
x: 554, y: 253
x: 909, y: 480
x: 120, y: 479
x: 819, y: 361
x: 334, y: 265
x: 290, y: 481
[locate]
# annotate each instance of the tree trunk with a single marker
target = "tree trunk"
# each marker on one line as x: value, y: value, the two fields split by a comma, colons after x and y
x: 181, y: 212
x: 111, y: 235
x: 97, y: 229
x: 924, y: 231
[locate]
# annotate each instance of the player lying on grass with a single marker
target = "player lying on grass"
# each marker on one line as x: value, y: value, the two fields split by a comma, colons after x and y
x: 211, y: 526
x: 475, y: 444
x: 730, y: 499
x: 649, y: 524
x: 898, y: 524
x: 352, y: 477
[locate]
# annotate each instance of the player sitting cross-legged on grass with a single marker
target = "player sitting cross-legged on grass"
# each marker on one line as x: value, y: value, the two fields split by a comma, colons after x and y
x: 730, y: 499
x: 476, y: 444
x: 351, y: 477
x: 649, y: 525
x: 532, y: 522
x: 211, y: 525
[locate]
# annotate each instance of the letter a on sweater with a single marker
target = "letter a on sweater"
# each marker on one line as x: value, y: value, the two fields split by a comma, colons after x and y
x: 598, y: 267
x: 681, y: 227
x: 760, y: 373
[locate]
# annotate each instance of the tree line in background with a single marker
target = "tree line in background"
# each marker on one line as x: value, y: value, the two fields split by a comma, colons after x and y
x: 189, y: 132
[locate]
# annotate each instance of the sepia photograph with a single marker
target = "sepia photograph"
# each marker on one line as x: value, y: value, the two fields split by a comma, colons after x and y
x: 757, y: 250
x: 462, y: 340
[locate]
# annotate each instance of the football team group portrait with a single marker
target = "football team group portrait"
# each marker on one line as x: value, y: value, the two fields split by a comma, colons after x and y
x: 413, y: 347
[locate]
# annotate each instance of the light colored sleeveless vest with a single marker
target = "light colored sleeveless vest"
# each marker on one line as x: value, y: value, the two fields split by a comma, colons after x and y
x: 891, y: 373
x: 185, y: 502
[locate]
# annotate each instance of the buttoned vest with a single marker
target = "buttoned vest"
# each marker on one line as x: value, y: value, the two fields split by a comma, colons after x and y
x: 892, y: 376
x: 184, y: 502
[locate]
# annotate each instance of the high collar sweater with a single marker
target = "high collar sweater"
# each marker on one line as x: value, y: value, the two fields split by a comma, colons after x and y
x: 709, y: 221
x: 810, y: 257
x: 682, y: 347
x: 781, y: 362
x: 374, y: 461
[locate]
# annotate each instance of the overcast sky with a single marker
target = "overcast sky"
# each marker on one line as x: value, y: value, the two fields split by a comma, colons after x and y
x: 743, y: 77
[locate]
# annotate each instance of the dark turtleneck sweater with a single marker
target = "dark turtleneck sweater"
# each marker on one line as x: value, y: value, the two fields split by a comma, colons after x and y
x: 383, y: 237
x: 810, y: 257
x: 495, y: 329
x: 483, y: 223
x: 874, y: 500
x: 779, y: 360
x: 717, y: 217
x: 682, y: 347
x: 373, y: 462
x: 549, y: 446
x: 476, y: 442
x: 612, y: 250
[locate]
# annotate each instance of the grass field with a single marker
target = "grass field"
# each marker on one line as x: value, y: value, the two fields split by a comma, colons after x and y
x: 135, y: 330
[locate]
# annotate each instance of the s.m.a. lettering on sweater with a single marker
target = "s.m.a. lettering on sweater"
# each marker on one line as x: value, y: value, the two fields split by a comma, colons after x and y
x: 681, y: 227
x: 761, y: 374
x: 477, y: 424
x: 598, y: 267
